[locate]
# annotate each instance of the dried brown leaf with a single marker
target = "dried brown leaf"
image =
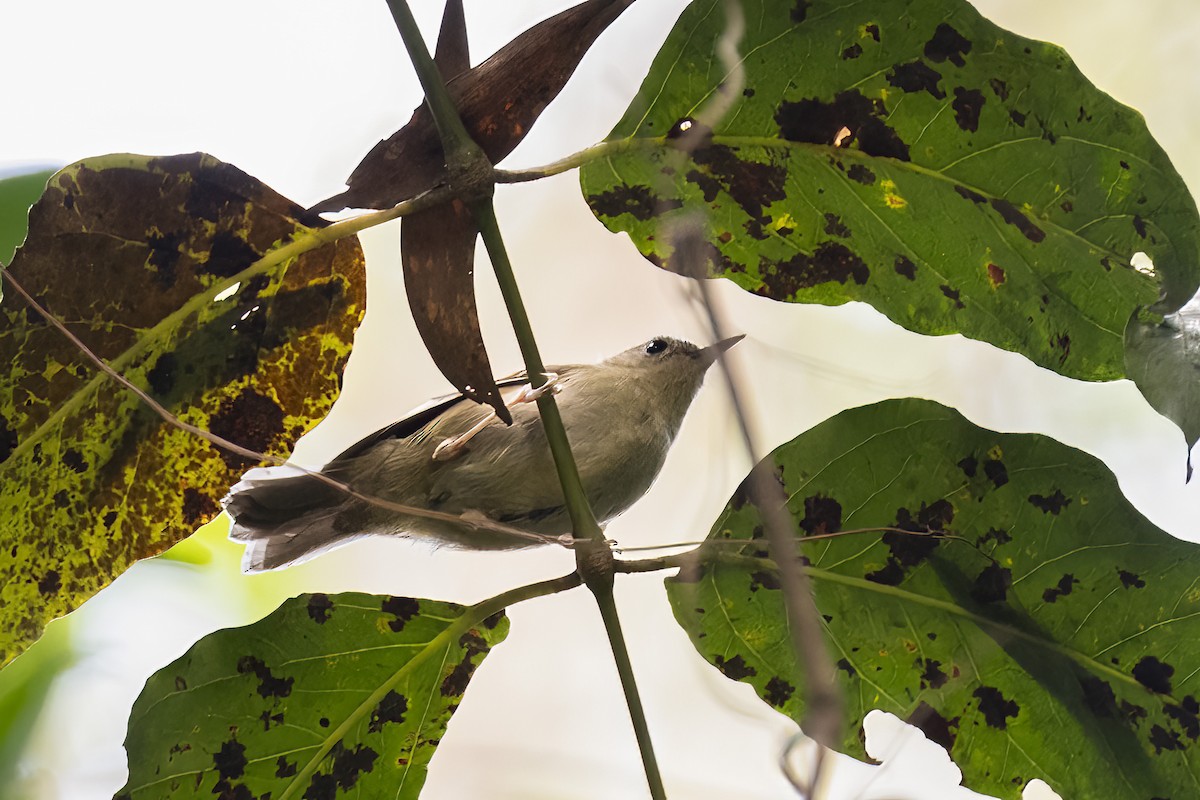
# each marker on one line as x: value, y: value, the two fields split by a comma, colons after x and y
x: 437, y: 249
x: 499, y: 101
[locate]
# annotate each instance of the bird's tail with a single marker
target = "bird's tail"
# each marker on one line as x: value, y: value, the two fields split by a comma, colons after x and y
x: 284, y: 547
x: 284, y: 515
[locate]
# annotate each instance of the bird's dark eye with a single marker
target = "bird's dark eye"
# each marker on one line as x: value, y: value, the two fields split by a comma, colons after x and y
x: 655, y: 347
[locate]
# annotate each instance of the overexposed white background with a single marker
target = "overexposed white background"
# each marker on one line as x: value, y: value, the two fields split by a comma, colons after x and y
x: 295, y: 93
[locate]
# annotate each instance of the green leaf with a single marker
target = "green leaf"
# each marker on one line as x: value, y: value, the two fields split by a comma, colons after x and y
x: 17, y: 194
x: 131, y: 252
x: 25, y: 688
x: 1057, y: 636
x: 1162, y: 356
x: 986, y: 187
x: 329, y: 694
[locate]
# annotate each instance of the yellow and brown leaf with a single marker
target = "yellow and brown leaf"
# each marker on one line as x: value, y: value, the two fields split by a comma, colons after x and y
x: 131, y: 253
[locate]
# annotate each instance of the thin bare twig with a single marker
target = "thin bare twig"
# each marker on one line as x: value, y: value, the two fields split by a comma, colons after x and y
x: 814, y: 537
x: 823, y: 698
x: 717, y: 550
x: 254, y: 455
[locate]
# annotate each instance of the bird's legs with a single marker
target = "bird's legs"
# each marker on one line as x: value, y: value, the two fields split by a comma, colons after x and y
x: 453, y: 447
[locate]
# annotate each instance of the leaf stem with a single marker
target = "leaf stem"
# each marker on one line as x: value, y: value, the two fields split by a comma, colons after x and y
x: 578, y: 159
x: 593, y: 557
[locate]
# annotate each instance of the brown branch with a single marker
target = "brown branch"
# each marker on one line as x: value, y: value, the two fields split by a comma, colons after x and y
x: 813, y: 537
x: 708, y: 550
x: 823, y: 720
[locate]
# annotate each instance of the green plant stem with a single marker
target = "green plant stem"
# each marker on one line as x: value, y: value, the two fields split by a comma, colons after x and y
x: 637, y: 714
x: 582, y: 519
x: 593, y: 557
x: 465, y: 160
x: 474, y: 177
x: 578, y: 159
x: 462, y: 151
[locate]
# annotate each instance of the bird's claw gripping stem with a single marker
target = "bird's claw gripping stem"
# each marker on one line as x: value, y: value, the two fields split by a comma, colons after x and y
x: 528, y: 394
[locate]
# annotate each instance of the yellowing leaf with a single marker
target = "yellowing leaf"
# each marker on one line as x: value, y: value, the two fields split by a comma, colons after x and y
x: 130, y: 251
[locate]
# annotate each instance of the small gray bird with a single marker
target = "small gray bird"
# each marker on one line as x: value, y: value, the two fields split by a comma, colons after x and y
x: 455, y: 457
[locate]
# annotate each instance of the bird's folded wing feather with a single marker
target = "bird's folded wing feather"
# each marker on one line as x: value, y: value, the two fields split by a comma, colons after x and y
x: 422, y: 416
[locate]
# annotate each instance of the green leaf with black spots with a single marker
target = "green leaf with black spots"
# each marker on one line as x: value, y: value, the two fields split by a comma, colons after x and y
x: 329, y: 696
x: 17, y: 194
x: 1032, y: 623
x: 132, y: 252
x: 914, y: 156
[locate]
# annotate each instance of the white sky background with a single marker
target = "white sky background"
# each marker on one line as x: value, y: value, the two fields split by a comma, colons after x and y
x: 295, y: 93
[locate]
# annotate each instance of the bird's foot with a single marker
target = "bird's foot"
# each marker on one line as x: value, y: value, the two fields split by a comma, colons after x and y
x: 455, y: 446
x: 528, y: 394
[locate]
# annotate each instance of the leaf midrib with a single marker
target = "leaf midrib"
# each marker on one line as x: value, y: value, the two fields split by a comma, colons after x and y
x: 441, y: 642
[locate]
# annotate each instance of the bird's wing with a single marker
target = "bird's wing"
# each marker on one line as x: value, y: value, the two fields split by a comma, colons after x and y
x: 417, y: 419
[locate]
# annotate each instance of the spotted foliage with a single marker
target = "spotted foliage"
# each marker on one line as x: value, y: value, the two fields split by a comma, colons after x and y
x: 1033, y: 626
x: 326, y: 705
x: 916, y: 157
x: 130, y: 252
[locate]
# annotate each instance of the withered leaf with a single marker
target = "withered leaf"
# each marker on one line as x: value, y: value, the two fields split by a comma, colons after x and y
x: 437, y: 248
x: 499, y: 101
x: 453, y: 56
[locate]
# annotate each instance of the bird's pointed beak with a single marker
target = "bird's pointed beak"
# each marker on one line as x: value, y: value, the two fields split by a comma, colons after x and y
x: 711, y: 353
